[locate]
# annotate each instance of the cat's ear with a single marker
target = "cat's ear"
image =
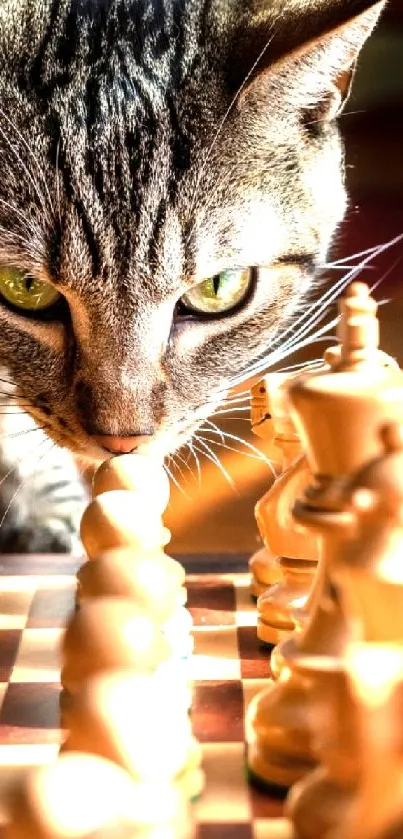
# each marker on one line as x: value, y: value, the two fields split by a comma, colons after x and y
x: 309, y: 51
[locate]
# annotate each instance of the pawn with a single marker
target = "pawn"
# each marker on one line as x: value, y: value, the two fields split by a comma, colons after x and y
x: 141, y: 723
x: 122, y: 519
x: 106, y: 634
x: 137, y: 473
x: 154, y: 583
x: 81, y: 795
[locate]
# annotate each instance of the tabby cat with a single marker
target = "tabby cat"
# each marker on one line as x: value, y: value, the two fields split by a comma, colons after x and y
x: 171, y: 176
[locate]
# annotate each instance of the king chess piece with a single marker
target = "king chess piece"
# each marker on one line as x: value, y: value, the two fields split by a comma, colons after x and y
x: 337, y: 413
x: 370, y: 577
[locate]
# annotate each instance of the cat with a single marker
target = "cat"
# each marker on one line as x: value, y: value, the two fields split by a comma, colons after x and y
x: 171, y: 177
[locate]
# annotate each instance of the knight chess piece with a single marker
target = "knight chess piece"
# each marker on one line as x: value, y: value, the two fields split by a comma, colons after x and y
x: 293, y: 552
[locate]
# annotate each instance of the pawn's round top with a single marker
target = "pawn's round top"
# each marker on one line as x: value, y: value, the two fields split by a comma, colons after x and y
x: 138, y: 473
x: 122, y: 519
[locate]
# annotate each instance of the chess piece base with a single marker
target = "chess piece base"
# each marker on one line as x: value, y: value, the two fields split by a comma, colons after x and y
x: 269, y: 771
x: 317, y: 806
x: 271, y: 635
x: 278, y: 734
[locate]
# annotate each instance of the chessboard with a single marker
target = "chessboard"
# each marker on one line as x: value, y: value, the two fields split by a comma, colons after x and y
x: 37, y: 595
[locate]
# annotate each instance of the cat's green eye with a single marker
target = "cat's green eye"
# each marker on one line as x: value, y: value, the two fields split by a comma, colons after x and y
x: 219, y: 294
x: 26, y: 292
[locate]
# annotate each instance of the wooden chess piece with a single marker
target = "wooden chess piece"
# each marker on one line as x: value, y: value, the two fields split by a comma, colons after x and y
x: 263, y: 564
x: 297, y: 556
x: 122, y: 519
x: 141, y: 723
x: 293, y: 552
x: 337, y: 414
x: 109, y: 633
x: 80, y: 795
x: 152, y: 583
x: 376, y: 673
x: 138, y: 473
x: 130, y: 494
x: 370, y: 576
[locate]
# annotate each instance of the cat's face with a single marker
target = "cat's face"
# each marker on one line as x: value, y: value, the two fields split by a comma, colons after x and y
x: 164, y: 199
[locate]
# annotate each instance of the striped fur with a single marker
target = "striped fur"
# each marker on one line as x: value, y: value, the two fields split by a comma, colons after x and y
x: 144, y: 146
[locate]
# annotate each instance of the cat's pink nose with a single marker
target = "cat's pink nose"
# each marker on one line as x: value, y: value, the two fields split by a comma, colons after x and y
x: 119, y: 445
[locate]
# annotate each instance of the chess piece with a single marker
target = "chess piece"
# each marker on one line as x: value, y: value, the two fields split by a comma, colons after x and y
x: 376, y: 673
x: 141, y: 723
x: 81, y: 795
x: 137, y: 473
x: 292, y: 554
x: 370, y: 576
x: 297, y: 555
x: 337, y: 413
x: 109, y: 633
x: 122, y: 519
x: 262, y: 565
x: 153, y: 583
x: 369, y: 572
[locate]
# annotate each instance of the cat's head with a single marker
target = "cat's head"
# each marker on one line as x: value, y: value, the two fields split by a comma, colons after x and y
x: 170, y: 179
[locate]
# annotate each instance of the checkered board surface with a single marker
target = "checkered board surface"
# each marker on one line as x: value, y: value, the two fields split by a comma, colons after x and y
x: 228, y: 668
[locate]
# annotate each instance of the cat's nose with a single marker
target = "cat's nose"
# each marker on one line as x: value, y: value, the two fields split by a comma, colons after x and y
x: 120, y: 445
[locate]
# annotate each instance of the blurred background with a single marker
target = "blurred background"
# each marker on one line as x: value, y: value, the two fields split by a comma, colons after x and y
x: 208, y: 514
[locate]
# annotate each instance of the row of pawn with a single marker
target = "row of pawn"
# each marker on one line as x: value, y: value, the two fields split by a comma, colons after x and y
x: 129, y: 765
x: 328, y: 728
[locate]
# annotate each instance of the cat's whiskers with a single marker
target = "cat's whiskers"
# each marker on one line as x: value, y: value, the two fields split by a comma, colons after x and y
x: 207, y: 452
x: 175, y: 457
x: 345, y: 259
x: 22, y: 482
x: 173, y: 479
x: 313, y: 316
x: 24, y: 456
x: 196, y: 459
x: 23, y: 432
x: 254, y: 453
x: 215, y: 428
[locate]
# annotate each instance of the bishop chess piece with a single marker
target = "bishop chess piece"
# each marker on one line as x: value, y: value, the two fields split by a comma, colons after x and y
x: 337, y: 413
